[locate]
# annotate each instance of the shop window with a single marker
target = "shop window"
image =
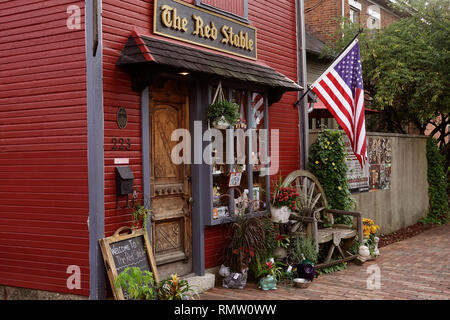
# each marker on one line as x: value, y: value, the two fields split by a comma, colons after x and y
x: 239, y: 179
x: 236, y: 9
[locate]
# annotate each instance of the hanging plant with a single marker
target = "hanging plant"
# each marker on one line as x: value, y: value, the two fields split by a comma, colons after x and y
x: 223, y: 113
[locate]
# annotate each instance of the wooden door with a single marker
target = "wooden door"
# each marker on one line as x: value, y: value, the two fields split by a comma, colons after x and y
x: 170, y: 186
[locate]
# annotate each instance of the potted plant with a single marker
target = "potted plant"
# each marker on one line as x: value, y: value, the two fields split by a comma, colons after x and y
x: 175, y: 288
x: 136, y: 284
x: 247, y: 239
x: 140, y: 216
x: 223, y: 114
x: 271, y: 273
x: 283, y: 203
x: 280, y: 252
x: 370, y: 240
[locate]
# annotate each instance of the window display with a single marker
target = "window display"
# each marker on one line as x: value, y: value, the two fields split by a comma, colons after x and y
x: 239, y: 182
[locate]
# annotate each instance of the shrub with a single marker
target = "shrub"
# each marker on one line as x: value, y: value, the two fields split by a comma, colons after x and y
x: 303, y: 246
x: 437, y: 185
x: 327, y: 162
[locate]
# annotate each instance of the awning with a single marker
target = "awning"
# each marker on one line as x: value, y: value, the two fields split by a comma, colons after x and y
x: 320, y: 111
x: 148, y: 55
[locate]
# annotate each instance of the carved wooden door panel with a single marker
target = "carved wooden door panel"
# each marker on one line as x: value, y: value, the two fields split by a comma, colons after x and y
x: 170, y: 188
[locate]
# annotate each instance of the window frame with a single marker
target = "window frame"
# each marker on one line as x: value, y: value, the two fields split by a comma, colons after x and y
x: 352, y: 15
x: 228, y: 14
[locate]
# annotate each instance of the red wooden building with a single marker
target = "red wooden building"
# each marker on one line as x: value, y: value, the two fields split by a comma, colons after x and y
x: 68, y: 67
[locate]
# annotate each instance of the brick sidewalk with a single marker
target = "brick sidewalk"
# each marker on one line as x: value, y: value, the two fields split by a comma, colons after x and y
x: 415, y: 268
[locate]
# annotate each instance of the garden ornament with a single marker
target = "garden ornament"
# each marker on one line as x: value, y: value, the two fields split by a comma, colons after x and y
x: 224, y: 271
x: 236, y: 280
x: 376, y: 251
x: 306, y: 270
x: 268, y: 283
x: 363, y: 254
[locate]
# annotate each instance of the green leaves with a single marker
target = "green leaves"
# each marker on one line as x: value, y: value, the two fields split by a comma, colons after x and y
x: 406, y: 66
x: 327, y: 162
x: 139, y: 284
x: 229, y: 110
x: 437, y: 185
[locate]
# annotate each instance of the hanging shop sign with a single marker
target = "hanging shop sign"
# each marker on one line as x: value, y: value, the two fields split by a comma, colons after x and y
x: 185, y: 22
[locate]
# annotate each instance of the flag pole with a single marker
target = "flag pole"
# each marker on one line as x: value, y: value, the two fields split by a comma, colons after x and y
x: 309, y: 89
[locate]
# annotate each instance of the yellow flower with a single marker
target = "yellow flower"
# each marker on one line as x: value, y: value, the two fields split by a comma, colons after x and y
x: 175, y: 279
x: 333, y: 163
x: 339, y: 188
x: 317, y: 162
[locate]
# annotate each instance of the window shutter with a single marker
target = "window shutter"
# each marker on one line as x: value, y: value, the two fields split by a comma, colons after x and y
x: 233, y: 6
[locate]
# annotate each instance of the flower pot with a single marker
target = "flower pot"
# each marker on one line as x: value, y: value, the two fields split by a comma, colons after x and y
x: 280, y: 253
x: 280, y: 215
x: 221, y: 124
x: 301, y: 283
x: 268, y: 283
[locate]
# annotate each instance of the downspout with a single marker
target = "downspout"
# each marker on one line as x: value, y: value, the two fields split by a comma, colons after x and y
x: 95, y: 133
x: 302, y: 81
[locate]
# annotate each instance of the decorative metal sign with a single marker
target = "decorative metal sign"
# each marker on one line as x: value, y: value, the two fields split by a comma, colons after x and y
x: 182, y: 21
x: 122, y: 118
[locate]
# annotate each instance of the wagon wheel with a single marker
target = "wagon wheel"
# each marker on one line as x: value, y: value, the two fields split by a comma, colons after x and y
x: 311, y: 201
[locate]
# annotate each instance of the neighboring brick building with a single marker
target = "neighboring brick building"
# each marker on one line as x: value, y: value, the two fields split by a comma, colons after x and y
x: 322, y: 17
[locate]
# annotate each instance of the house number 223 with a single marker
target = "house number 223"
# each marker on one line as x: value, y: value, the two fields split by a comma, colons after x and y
x: 121, y: 144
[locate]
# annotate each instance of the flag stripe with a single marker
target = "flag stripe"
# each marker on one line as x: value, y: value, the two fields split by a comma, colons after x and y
x: 345, y: 125
x: 343, y: 89
x: 334, y: 91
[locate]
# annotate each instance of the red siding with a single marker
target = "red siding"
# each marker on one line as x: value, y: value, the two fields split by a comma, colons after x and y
x: 43, y: 146
x: 233, y: 6
x: 119, y: 18
x: 275, y: 21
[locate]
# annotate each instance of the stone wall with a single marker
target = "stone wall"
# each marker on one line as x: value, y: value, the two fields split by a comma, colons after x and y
x: 406, y: 201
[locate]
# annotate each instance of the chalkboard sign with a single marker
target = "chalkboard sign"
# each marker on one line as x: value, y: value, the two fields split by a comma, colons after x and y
x: 131, y: 249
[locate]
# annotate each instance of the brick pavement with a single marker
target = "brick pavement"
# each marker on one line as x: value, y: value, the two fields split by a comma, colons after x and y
x: 415, y: 268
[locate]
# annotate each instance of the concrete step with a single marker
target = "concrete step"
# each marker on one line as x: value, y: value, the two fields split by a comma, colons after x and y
x: 201, y: 283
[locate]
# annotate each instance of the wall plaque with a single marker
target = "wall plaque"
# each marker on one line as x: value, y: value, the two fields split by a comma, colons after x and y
x: 122, y: 118
x: 185, y: 22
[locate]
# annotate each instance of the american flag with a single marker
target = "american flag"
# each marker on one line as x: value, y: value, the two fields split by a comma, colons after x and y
x: 258, y: 108
x: 341, y: 89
